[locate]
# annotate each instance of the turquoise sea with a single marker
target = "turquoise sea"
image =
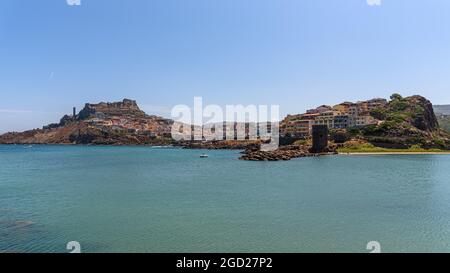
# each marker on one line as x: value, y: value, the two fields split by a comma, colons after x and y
x: 143, y: 199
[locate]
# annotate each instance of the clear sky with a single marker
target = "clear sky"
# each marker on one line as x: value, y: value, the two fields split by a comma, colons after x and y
x: 295, y: 53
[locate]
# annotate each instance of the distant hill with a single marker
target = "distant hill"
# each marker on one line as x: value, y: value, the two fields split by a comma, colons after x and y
x: 442, y: 109
x: 443, y: 116
x: 444, y: 122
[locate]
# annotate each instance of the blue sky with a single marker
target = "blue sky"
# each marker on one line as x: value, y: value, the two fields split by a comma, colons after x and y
x: 295, y: 53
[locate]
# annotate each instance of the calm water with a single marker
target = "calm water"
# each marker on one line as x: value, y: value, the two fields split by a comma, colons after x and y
x: 141, y: 199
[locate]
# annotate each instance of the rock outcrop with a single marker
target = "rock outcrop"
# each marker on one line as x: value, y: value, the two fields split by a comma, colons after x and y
x: 284, y: 153
x: 125, y: 108
x: 422, y: 113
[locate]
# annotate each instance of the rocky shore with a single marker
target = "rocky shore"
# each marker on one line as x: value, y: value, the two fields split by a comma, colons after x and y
x: 284, y: 153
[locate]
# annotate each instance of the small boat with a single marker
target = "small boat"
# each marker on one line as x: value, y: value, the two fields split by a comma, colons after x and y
x: 203, y: 156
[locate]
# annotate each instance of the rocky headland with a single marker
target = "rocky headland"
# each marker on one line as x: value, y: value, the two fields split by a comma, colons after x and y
x: 404, y: 123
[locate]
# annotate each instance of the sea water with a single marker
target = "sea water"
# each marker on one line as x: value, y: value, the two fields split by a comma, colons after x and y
x: 143, y: 199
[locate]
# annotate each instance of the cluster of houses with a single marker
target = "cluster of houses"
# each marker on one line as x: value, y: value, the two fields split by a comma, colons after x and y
x: 341, y: 116
x: 151, y: 126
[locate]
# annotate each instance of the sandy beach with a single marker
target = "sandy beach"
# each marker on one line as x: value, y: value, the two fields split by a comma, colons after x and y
x: 398, y: 153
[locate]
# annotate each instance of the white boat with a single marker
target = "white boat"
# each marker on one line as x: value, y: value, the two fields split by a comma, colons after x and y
x: 203, y: 156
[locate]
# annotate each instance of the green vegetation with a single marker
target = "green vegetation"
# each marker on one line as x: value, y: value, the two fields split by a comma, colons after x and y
x: 369, y: 148
x: 397, y: 116
x: 379, y: 113
x: 340, y: 136
x: 401, y: 110
x: 302, y: 142
x: 406, y: 121
x: 396, y: 96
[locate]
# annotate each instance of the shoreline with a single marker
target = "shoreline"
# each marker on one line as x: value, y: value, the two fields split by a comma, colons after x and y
x: 395, y: 153
x: 174, y: 146
x: 228, y: 148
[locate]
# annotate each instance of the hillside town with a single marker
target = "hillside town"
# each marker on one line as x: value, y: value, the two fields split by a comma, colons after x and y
x: 125, y: 117
x: 400, y: 122
x: 104, y: 123
x: 151, y: 126
x: 341, y: 116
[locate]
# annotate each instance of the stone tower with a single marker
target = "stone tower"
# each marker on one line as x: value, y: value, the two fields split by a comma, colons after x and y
x: 320, y: 138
